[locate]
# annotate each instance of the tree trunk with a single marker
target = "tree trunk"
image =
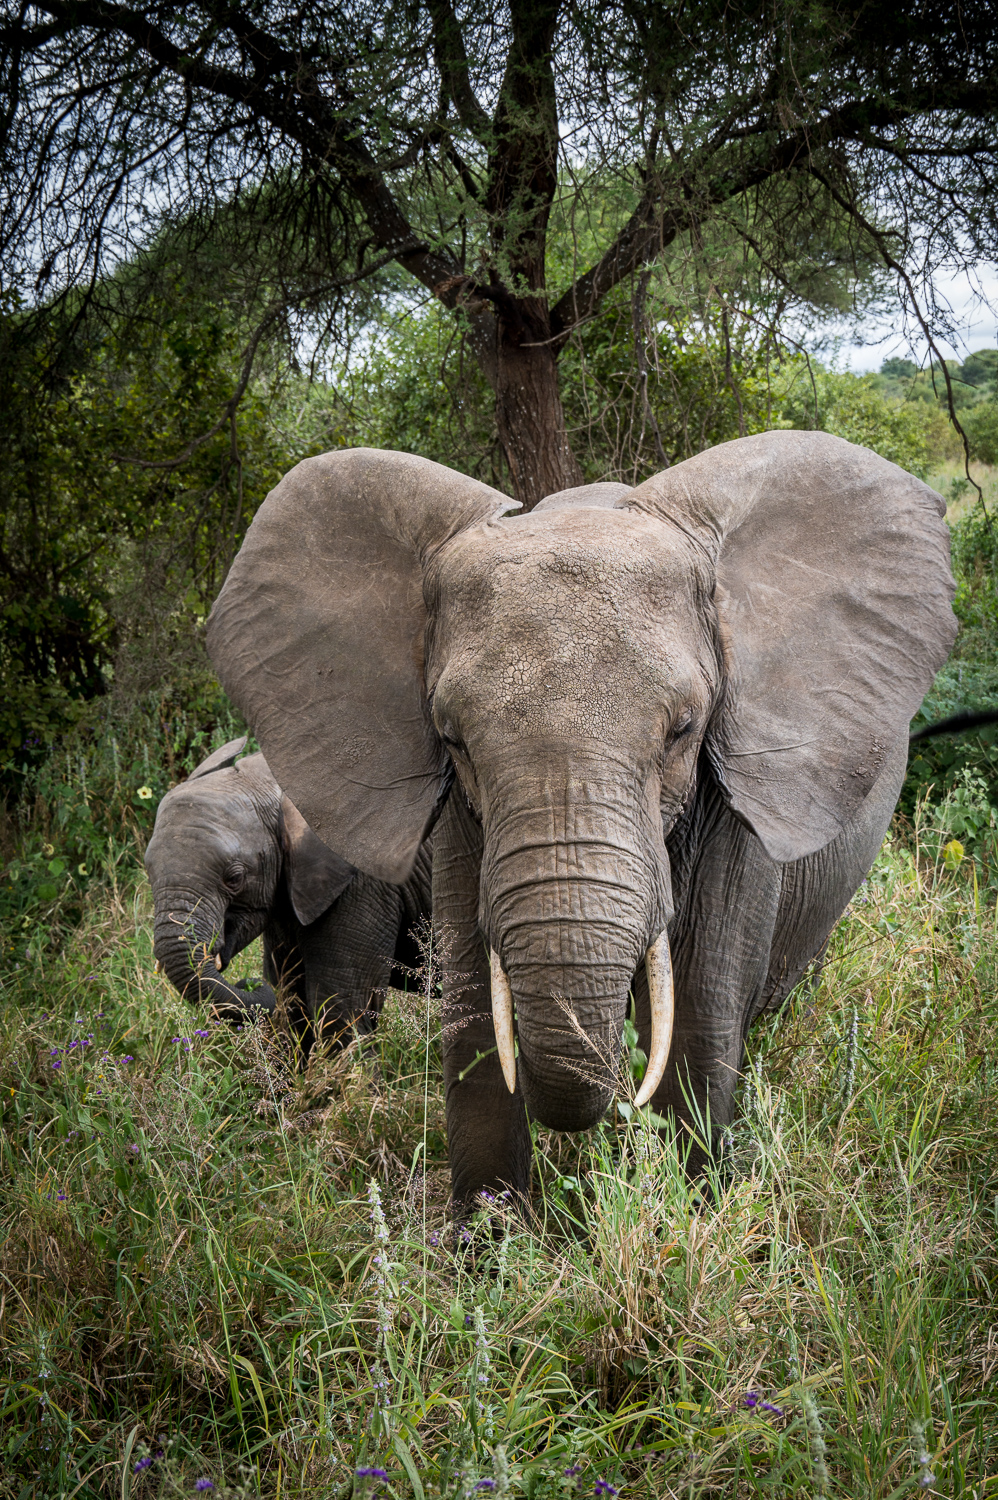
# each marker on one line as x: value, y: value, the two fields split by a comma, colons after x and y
x: 531, y: 424
x: 529, y: 413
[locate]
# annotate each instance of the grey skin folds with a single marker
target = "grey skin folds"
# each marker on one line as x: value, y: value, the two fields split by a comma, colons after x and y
x: 231, y: 857
x: 678, y: 708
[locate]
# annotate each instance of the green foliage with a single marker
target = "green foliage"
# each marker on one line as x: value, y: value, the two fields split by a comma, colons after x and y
x: 962, y: 770
x: 981, y: 427
x: 911, y: 434
x: 180, y: 1210
x: 648, y: 383
x: 105, y: 541
x: 417, y: 390
x: 87, y: 808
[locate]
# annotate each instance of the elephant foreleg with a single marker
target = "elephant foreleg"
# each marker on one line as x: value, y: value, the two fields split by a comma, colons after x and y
x: 348, y: 955
x: 488, y: 1138
x: 727, y: 893
x: 283, y: 968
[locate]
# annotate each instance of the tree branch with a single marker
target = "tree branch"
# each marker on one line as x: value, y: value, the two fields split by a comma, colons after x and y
x: 651, y: 229
x: 305, y: 117
x: 451, y: 58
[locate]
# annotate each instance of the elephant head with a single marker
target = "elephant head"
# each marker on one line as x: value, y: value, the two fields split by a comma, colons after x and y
x: 223, y: 840
x: 780, y: 603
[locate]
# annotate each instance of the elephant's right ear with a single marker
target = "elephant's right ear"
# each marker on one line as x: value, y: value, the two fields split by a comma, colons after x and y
x: 317, y: 636
x: 315, y: 875
x: 219, y: 759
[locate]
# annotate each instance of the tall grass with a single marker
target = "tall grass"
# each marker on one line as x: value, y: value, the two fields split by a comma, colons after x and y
x: 214, y: 1270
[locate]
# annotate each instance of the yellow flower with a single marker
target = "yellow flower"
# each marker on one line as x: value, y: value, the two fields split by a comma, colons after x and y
x: 81, y: 869
x: 145, y: 792
x: 48, y: 850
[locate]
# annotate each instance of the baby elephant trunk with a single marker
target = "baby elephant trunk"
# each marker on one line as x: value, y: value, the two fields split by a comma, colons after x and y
x: 186, y: 943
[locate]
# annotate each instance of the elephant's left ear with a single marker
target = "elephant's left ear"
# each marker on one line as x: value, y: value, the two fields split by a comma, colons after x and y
x: 315, y: 875
x: 834, y: 594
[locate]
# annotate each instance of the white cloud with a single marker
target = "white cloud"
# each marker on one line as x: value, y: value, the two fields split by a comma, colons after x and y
x: 975, y: 314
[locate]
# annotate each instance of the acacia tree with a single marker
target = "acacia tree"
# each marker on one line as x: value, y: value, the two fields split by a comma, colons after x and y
x: 446, y: 136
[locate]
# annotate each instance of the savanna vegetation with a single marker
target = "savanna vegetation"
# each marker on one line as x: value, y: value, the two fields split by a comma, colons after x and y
x: 216, y: 1271
x: 217, y: 1275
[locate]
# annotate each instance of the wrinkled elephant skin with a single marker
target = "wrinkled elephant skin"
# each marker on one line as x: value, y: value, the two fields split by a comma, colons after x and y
x: 680, y: 708
x: 231, y: 858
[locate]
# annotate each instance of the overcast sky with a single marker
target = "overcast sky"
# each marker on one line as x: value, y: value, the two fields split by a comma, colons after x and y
x: 978, y: 323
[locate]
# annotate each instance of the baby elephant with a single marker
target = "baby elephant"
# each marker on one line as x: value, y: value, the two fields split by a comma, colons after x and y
x: 230, y: 858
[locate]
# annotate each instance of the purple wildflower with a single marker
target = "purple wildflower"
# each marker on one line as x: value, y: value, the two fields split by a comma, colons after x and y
x: 204, y: 1484
x: 373, y: 1473
x: 199, y: 1032
x: 60, y: 1197
x: 134, y: 1149
x: 602, y: 1488
x: 754, y: 1401
x: 57, y: 1064
x: 485, y: 1484
x: 127, y: 1059
x: 140, y: 1464
x: 571, y: 1473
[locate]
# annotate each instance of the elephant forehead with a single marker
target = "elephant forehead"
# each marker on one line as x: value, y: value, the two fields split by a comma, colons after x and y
x: 580, y: 629
x: 617, y: 568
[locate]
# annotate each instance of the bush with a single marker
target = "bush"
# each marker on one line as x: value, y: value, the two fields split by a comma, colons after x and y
x: 86, y: 809
x: 913, y: 434
x: 981, y: 427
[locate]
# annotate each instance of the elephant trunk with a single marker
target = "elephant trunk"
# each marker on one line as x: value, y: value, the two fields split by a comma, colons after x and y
x: 570, y: 920
x: 188, y: 936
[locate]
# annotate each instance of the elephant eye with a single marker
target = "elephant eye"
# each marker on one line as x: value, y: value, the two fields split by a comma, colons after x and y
x: 452, y: 741
x: 681, y: 725
x: 234, y: 878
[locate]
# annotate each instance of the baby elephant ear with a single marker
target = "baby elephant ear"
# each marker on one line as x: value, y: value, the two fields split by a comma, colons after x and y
x: 834, y: 593
x: 219, y: 759
x: 317, y: 636
x: 603, y: 495
x: 315, y: 875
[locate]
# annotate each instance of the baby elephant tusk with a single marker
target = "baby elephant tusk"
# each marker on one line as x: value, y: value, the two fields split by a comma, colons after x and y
x: 658, y: 966
x: 218, y: 962
x: 502, y: 1020
x: 157, y: 967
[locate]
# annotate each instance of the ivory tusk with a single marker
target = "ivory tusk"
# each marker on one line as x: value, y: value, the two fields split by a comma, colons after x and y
x: 218, y: 962
x: 157, y: 966
x: 502, y: 1020
x: 658, y: 966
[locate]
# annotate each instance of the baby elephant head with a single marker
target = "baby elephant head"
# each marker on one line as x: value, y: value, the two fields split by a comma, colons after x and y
x: 779, y: 604
x: 226, y: 844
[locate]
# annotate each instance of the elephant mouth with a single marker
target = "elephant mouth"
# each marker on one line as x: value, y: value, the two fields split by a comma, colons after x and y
x: 658, y: 966
x: 240, y: 927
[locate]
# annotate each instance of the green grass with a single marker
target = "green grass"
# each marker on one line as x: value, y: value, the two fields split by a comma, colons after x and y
x: 188, y: 1258
x: 188, y: 1241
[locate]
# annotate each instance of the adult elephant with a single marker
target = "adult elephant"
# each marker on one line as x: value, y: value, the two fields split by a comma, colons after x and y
x: 232, y: 858
x: 677, y: 714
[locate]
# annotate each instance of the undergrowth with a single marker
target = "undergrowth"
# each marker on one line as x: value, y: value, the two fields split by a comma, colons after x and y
x: 216, y: 1272
x: 216, y: 1275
